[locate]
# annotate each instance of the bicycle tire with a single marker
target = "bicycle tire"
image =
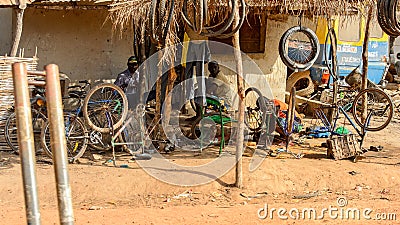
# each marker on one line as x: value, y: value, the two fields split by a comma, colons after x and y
x: 259, y: 105
x: 332, y: 38
x: 132, y: 134
x: 10, y: 129
x: 291, y: 111
x: 235, y: 29
x: 290, y: 59
x: 75, y: 127
x: 379, y: 105
x: 383, y: 20
x: 195, y: 130
x: 294, y: 78
x: 169, y: 19
x: 391, y: 14
x: 116, y: 103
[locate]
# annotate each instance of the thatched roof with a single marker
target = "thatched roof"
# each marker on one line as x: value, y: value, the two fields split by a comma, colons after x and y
x: 4, y: 3
x: 123, y: 13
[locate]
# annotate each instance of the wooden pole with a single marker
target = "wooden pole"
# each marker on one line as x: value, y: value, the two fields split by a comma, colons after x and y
x: 364, y: 82
x: 142, y: 59
x: 158, y: 95
x: 168, y: 98
x: 18, y: 32
x: 240, y: 86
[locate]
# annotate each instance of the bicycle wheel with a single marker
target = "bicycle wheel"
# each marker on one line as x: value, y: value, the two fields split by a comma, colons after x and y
x: 209, y: 127
x: 330, y: 47
x: 299, y: 48
x: 11, y: 133
x: 255, y: 109
x: 132, y: 135
x: 379, y: 109
x: 101, y: 99
x: 76, y: 136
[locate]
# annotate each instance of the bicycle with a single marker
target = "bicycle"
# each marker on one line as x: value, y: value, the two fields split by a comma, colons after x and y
x: 379, y: 112
x: 75, y: 129
x: 262, y: 117
x: 77, y: 135
x: 132, y: 139
x: 38, y: 110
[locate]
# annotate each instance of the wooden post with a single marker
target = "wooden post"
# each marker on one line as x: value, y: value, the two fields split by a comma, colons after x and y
x: 364, y: 82
x: 240, y: 86
x: 18, y: 31
x: 142, y: 60
x: 158, y: 95
x: 168, y: 101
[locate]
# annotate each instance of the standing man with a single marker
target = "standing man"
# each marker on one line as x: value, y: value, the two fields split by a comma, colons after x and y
x: 128, y: 80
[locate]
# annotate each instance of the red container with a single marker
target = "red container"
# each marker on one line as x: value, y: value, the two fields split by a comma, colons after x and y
x: 325, y: 76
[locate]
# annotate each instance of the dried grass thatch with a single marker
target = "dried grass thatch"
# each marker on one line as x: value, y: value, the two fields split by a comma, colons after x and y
x: 136, y: 12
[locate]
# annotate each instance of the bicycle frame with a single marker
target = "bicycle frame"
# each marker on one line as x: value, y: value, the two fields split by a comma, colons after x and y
x: 339, y: 109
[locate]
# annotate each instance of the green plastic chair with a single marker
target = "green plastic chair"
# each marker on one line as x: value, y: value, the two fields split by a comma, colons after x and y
x: 219, y: 118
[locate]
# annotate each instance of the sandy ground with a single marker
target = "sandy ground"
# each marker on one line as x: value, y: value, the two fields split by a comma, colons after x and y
x: 104, y: 194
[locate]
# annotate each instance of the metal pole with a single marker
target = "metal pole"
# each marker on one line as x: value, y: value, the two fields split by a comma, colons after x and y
x: 25, y: 141
x: 58, y: 143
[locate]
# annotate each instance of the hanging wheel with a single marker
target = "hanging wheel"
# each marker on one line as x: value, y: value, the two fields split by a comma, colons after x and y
x: 299, y: 48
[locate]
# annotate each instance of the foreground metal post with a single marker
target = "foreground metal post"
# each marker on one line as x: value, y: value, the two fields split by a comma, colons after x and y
x: 26, y: 141
x: 58, y: 143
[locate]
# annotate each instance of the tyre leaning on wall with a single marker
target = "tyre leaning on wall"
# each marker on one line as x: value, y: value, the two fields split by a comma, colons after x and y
x: 294, y: 81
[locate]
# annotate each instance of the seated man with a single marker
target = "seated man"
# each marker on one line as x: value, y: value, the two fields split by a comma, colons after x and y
x: 218, y: 84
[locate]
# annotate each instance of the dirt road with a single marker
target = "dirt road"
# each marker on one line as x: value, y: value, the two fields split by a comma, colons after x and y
x: 103, y: 194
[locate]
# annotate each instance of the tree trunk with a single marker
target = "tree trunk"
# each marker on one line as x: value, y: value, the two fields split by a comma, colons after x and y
x: 18, y: 32
x: 240, y: 86
x: 364, y: 81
